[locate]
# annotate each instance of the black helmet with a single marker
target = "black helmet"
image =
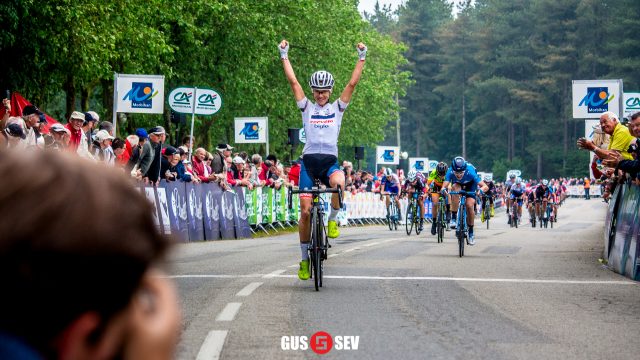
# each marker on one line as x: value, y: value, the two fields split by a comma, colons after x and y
x: 459, y: 164
x: 441, y: 168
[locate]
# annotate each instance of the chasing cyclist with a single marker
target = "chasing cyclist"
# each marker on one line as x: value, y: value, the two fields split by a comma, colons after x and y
x: 434, y: 182
x: 507, y: 187
x: 463, y: 176
x: 488, y: 180
x: 390, y: 185
x: 417, y: 183
x: 321, y: 121
x: 515, y: 195
x: 542, y: 194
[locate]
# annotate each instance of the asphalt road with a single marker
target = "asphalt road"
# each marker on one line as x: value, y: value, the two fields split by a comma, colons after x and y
x: 518, y: 294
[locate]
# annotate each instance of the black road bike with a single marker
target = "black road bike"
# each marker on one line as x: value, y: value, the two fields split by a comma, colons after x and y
x: 319, y: 244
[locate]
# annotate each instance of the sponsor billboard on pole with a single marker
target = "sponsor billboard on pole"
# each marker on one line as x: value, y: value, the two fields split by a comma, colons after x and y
x: 387, y: 155
x: 251, y: 130
x: 631, y: 104
x: 207, y: 101
x: 594, y: 97
x: 432, y: 165
x: 140, y: 93
x: 419, y: 163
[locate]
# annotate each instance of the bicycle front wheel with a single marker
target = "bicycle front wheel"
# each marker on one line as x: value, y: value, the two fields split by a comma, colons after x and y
x: 487, y: 214
x: 409, y: 218
x: 440, y: 225
x: 315, y: 248
x: 460, y: 232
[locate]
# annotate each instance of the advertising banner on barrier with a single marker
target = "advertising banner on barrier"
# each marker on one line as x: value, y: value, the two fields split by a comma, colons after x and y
x: 591, y: 98
x: 163, y: 209
x: 281, y: 204
x: 250, y: 201
x: 194, y: 212
x: 139, y: 93
x: 211, y: 201
x: 177, y: 201
x: 241, y: 221
x: 267, y: 206
x: 387, y: 155
x: 421, y: 164
x: 227, y: 211
x: 294, y: 212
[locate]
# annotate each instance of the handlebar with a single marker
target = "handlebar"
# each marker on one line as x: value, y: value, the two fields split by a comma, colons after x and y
x: 462, y: 192
x: 315, y: 191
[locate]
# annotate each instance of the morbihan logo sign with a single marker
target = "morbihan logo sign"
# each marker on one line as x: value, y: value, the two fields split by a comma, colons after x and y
x: 597, y: 100
x: 207, y: 101
x: 139, y: 93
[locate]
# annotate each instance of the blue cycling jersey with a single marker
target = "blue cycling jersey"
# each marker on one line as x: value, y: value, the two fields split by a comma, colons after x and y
x: 470, y: 176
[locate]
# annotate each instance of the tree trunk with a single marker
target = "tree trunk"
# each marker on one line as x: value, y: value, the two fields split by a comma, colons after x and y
x: 84, y: 98
x: 539, y: 170
x: 70, y: 90
x: 107, y: 100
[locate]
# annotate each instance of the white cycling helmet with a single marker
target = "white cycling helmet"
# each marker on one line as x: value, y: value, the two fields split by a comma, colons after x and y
x: 388, y: 172
x: 411, y: 176
x: 487, y: 177
x: 545, y: 182
x: 321, y: 80
x: 518, y: 181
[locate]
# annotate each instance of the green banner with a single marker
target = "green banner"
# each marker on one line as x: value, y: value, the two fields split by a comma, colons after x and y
x: 267, y: 205
x: 294, y: 213
x: 281, y: 204
x: 251, y: 199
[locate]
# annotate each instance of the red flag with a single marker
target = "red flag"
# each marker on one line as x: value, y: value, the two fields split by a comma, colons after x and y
x: 18, y: 103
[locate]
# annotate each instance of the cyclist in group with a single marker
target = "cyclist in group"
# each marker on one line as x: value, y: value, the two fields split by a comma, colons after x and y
x: 416, y: 182
x: 515, y: 195
x: 390, y: 184
x: 463, y: 176
x: 542, y: 197
x: 530, y: 198
x: 321, y: 121
x: 488, y: 180
x: 505, y: 195
x: 434, y: 182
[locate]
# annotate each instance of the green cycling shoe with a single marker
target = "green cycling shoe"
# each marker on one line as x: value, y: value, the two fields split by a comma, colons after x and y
x: 303, y: 273
x: 333, y: 231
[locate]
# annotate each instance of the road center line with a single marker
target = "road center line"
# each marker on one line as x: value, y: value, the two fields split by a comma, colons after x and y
x: 229, y: 312
x: 212, y: 345
x: 247, y: 290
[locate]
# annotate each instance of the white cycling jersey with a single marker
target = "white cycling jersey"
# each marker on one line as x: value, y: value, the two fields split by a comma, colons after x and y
x: 321, y: 126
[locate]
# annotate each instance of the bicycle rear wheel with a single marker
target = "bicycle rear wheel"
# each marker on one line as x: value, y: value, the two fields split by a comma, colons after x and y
x: 487, y: 214
x: 416, y: 217
x: 440, y: 225
x: 409, y: 218
x: 390, y: 218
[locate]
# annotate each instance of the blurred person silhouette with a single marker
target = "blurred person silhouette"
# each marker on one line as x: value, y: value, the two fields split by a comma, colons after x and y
x: 78, y: 289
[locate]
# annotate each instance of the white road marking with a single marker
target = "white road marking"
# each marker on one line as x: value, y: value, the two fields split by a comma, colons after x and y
x: 293, y: 266
x: 249, y: 289
x: 229, y: 312
x: 429, y: 278
x: 274, y: 274
x: 212, y: 345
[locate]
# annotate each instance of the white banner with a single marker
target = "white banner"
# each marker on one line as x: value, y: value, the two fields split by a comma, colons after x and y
x: 589, y: 126
x: 140, y: 93
x: 387, y: 155
x: 251, y: 130
x: 420, y: 164
x: 631, y: 104
x: 208, y: 101
x: 594, y: 97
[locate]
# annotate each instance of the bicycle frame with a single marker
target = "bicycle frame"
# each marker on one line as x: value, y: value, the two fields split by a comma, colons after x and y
x: 462, y: 230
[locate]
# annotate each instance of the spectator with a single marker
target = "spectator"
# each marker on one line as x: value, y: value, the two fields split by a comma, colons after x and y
x: 11, y: 136
x: 28, y: 121
x: 188, y: 142
x: 620, y: 137
x: 218, y: 160
x: 166, y: 163
x: 108, y: 126
x: 157, y: 137
x: 118, y: 146
x: 235, y: 173
x: 89, y: 292
x: 7, y: 113
x: 104, y: 152
x: 136, y: 144
x: 40, y: 129
x: 60, y: 135
x: 87, y: 127
x: 629, y: 166
x: 74, y: 125
x: 200, y: 169
x: 587, y: 186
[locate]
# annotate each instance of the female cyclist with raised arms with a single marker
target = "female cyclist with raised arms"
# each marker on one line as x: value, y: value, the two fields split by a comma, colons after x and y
x: 321, y: 122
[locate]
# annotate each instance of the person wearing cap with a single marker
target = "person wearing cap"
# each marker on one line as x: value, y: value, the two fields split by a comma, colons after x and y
x: 40, y: 129
x: 235, y: 173
x: 157, y: 136
x: 104, y: 152
x: 60, y: 136
x: 217, y: 162
x: 87, y: 127
x: 200, y: 168
x: 28, y: 122
x: 11, y: 136
x: 108, y: 126
x: 74, y: 125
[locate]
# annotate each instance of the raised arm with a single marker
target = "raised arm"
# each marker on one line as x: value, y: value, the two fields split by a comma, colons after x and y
x: 355, y: 76
x: 298, y: 93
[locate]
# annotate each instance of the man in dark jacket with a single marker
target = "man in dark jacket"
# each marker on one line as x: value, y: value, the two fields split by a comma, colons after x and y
x: 157, y: 136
